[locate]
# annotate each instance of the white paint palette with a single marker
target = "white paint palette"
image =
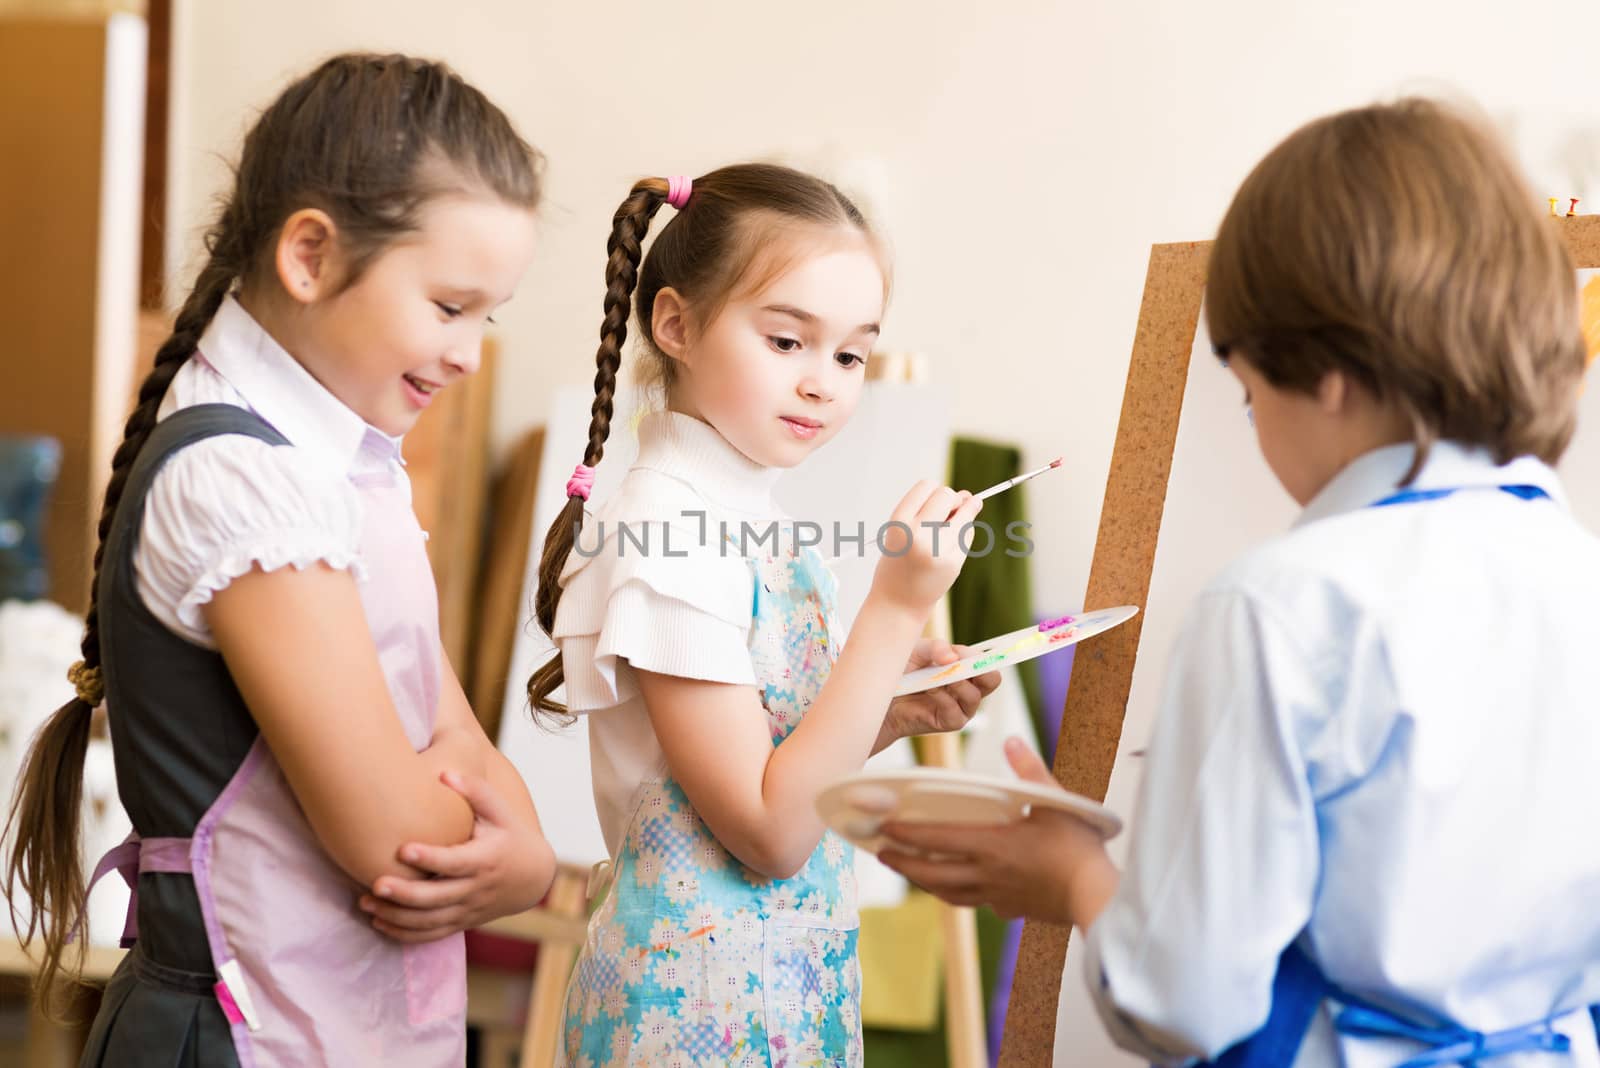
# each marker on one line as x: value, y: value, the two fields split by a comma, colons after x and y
x: 1017, y: 647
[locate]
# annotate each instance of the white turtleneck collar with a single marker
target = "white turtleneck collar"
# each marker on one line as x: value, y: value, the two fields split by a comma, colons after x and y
x: 693, y: 452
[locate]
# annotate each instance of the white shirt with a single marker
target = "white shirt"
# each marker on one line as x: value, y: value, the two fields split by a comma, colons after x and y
x: 652, y: 583
x: 1380, y: 729
x: 227, y: 504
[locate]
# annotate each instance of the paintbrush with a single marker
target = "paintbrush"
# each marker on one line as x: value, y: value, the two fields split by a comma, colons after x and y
x: 1001, y: 487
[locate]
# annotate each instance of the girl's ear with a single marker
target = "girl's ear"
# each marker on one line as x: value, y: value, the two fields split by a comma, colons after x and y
x: 669, y: 324
x: 307, y: 255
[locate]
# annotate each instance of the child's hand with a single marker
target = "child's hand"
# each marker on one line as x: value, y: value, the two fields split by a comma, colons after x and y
x: 921, y: 554
x: 1049, y: 866
x: 499, y: 871
x: 947, y: 708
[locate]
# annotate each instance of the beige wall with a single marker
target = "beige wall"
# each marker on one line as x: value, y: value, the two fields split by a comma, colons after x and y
x: 1024, y: 155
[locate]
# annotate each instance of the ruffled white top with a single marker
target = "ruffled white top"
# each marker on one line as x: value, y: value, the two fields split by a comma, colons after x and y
x: 658, y: 581
x: 228, y: 504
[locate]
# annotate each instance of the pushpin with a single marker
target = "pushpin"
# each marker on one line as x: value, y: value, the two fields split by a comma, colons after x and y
x: 1572, y: 209
x: 1553, y: 206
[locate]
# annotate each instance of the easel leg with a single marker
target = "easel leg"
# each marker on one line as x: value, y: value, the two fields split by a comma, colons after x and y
x: 539, y: 1041
x: 965, y: 1037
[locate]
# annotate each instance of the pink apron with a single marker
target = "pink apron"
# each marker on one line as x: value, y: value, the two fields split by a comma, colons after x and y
x: 304, y: 979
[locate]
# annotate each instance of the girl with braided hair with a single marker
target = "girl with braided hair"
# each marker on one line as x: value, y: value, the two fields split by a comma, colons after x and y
x: 698, y: 633
x: 264, y: 625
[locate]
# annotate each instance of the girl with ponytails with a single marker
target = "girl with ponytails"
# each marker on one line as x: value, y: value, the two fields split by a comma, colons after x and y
x: 720, y: 694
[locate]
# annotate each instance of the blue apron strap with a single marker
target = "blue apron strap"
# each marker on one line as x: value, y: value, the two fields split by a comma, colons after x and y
x: 1298, y: 990
x: 1527, y: 493
x: 1520, y: 490
x: 1450, y: 1045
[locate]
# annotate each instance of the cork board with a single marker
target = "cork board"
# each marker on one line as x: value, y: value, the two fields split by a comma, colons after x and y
x: 1124, y: 557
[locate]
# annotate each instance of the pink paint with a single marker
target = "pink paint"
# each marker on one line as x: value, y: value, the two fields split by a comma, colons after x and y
x: 1052, y: 624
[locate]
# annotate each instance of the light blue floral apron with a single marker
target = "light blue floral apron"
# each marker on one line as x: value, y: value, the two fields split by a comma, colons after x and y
x: 692, y: 958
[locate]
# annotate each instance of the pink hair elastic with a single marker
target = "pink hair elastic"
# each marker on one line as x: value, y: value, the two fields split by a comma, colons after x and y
x: 581, y: 482
x: 678, y: 187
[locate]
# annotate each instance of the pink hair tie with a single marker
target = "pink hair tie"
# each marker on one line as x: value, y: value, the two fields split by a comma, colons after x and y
x: 678, y: 187
x: 581, y: 482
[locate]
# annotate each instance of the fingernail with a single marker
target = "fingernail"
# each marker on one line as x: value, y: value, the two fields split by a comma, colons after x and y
x: 384, y: 891
x: 409, y: 856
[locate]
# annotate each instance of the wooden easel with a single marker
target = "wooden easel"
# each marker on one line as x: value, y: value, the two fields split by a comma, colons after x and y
x: 558, y: 926
x: 1124, y: 554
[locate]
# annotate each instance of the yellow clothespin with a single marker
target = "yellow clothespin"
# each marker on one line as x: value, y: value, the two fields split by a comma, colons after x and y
x: 1553, y: 206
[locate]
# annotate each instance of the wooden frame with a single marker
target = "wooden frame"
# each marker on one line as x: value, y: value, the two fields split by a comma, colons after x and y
x: 1124, y: 554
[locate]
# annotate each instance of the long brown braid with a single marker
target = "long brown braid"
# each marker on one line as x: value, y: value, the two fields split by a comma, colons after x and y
x: 624, y: 251
x: 705, y: 253
x: 368, y: 139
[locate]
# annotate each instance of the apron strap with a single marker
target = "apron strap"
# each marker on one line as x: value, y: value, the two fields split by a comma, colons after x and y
x: 1299, y: 988
x: 130, y: 858
x: 1521, y: 491
x: 123, y: 858
x: 1450, y: 1045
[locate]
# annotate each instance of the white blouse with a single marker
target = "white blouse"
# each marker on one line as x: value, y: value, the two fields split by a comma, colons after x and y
x: 228, y: 504
x: 653, y: 583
